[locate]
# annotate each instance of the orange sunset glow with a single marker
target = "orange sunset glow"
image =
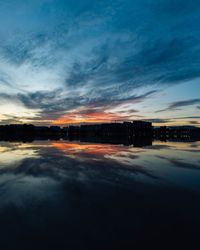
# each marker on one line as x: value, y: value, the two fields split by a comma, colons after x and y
x: 95, y: 117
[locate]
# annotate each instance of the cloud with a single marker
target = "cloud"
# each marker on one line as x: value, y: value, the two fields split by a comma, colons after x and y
x: 180, y: 104
x: 184, y: 103
x: 194, y: 122
x: 126, y: 54
x: 157, y: 120
x: 58, y: 107
x: 59, y: 55
x: 187, y: 117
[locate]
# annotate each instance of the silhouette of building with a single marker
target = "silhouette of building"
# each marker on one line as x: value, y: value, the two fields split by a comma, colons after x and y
x: 28, y: 132
x: 129, y: 129
x: 183, y: 133
x: 137, y: 133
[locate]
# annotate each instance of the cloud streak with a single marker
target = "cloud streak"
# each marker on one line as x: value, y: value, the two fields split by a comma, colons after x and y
x: 180, y: 104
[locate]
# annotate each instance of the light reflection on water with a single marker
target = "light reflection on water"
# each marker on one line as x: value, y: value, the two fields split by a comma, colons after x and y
x: 162, y: 160
x: 67, y: 184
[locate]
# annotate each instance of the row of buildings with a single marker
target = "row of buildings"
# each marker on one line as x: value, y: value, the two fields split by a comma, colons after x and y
x: 136, y: 133
x: 28, y: 132
x: 125, y: 129
x: 183, y: 133
x: 125, y: 132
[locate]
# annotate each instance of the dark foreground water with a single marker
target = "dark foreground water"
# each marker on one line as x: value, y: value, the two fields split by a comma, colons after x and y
x: 71, y: 195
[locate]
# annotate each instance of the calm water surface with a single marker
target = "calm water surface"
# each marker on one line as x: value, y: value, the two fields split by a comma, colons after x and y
x: 72, y: 195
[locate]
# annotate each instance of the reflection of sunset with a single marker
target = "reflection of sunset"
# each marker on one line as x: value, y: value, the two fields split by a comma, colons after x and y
x: 90, y: 149
x: 100, y: 152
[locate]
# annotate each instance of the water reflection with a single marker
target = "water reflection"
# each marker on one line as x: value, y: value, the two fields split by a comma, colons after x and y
x: 88, y: 195
x: 161, y: 162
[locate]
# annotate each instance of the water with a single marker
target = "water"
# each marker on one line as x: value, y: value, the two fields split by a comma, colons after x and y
x: 72, y: 195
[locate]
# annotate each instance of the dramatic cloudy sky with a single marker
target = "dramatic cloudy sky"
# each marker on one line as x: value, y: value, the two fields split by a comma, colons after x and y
x: 66, y: 61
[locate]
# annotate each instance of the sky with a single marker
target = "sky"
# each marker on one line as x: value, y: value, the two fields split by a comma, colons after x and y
x: 87, y: 61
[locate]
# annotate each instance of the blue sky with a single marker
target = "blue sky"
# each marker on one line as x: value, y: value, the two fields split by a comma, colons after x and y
x: 64, y: 62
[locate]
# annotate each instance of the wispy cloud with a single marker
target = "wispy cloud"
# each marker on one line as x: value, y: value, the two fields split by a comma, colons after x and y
x: 187, y: 117
x: 157, y: 120
x: 180, y: 104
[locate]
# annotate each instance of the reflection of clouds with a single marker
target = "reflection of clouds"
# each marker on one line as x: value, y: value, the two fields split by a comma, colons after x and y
x: 180, y: 163
x: 178, y: 145
x: 158, y: 147
x: 91, y: 152
x: 105, y: 156
x: 58, y: 162
x: 21, y: 190
x: 43, y: 178
x: 180, y: 154
x: 63, y: 161
x: 125, y: 158
x: 14, y: 154
x: 89, y: 149
x: 98, y: 152
x: 55, y: 198
x: 64, y: 174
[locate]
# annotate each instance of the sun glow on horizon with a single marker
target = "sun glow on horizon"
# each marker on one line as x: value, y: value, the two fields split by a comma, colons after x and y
x: 96, y: 117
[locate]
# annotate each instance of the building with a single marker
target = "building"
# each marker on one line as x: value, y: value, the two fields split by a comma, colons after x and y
x: 125, y: 129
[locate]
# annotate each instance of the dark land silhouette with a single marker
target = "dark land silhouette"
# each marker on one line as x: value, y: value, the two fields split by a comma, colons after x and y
x: 137, y: 133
